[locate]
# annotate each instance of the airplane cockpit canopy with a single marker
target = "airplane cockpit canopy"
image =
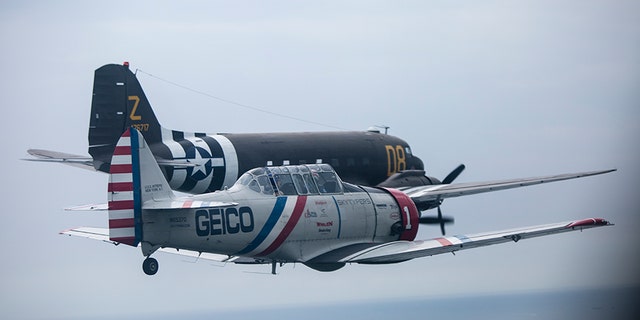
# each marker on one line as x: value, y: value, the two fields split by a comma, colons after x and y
x: 307, y: 179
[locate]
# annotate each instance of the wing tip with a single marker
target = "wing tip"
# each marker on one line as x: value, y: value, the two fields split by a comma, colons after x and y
x: 589, y: 222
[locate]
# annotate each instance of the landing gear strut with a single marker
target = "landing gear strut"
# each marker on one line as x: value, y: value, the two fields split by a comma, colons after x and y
x: 150, y: 266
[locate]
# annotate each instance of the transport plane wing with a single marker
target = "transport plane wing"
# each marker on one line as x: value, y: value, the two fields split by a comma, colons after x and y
x: 426, y: 197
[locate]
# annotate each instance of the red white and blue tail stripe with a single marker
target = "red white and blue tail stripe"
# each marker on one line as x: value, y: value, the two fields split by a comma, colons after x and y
x: 125, y: 217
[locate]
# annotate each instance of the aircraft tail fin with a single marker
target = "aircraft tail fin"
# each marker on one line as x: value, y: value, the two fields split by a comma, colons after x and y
x: 118, y: 103
x: 134, y: 179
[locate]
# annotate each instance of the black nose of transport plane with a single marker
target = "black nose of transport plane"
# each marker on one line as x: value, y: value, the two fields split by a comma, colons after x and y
x: 415, y: 163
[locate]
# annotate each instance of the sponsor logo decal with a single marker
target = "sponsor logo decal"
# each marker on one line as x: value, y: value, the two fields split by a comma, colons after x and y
x: 224, y: 221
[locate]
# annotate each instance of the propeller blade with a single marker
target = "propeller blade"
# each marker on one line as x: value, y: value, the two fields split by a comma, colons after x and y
x: 453, y: 175
x: 441, y: 222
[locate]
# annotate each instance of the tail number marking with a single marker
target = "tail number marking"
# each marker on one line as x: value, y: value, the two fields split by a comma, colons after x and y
x: 136, y: 117
x: 224, y: 221
x: 396, y: 159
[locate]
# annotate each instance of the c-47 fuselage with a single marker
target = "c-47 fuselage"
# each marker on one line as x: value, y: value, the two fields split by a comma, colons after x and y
x: 200, y: 162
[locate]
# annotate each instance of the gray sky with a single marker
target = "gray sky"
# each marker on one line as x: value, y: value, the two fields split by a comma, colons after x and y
x: 511, y: 89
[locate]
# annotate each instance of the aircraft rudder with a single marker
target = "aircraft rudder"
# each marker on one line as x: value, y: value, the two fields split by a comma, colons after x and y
x: 118, y: 103
x: 135, y: 178
x: 125, y: 210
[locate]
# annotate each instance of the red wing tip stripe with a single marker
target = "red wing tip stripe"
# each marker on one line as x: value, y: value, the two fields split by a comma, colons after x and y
x: 121, y: 223
x: 588, y: 222
x: 444, y: 241
x: 187, y: 204
x: 126, y: 133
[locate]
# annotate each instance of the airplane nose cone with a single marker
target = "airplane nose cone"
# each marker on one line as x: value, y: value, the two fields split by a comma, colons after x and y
x: 415, y: 163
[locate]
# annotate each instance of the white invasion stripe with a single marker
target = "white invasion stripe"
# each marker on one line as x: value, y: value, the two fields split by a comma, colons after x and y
x: 120, y: 177
x: 217, y: 162
x: 121, y: 214
x: 202, y: 185
x: 121, y: 159
x: 120, y: 195
x: 122, y: 232
x: 230, y: 160
x: 179, y: 176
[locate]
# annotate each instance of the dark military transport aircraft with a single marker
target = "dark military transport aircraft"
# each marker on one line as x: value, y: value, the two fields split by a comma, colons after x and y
x: 195, y: 162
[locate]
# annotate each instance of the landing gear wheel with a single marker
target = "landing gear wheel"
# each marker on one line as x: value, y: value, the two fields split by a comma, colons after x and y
x: 150, y: 266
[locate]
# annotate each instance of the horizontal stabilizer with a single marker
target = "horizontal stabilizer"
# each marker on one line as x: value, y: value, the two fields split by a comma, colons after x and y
x: 160, y: 205
x: 89, y: 207
x: 74, y: 160
x: 183, y: 204
x: 85, y: 162
x: 102, y: 234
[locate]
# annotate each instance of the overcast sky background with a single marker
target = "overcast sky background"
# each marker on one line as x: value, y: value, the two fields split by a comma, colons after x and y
x: 509, y: 88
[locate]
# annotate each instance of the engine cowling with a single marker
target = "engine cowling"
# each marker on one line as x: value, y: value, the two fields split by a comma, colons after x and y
x: 409, y: 178
x: 412, y: 178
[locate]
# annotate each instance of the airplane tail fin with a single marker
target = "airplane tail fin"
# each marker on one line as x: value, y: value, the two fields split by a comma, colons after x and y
x: 134, y: 179
x: 118, y: 103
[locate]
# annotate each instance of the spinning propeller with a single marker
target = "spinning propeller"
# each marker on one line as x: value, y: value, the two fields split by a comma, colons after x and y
x: 440, y: 219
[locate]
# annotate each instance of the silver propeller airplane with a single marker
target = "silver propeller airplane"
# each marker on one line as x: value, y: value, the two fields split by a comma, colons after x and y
x: 287, y: 214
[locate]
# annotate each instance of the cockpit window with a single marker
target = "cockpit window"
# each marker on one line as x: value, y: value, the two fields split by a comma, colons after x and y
x: 299, y: 183
x: 291, y: 180
x: 327, y: 182
x: 284, y: 182
x: 265, y: 184
x: 311, y: 185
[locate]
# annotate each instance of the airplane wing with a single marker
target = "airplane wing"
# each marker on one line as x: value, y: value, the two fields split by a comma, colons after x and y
x: 425, y: 194
x: 398, y: 251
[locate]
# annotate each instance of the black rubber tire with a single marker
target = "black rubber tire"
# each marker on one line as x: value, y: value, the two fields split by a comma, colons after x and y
x: 150, y: 266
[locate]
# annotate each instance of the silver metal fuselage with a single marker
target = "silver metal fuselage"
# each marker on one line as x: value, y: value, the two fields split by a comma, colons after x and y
x: 286, y: 228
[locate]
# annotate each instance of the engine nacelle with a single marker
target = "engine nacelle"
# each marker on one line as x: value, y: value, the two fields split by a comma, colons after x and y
x: 409, y: 178
x: 413, y: 178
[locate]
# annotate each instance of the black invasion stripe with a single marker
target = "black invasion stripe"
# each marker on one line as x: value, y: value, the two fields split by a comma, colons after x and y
x: 188, y: 184
x: 218, y: 173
